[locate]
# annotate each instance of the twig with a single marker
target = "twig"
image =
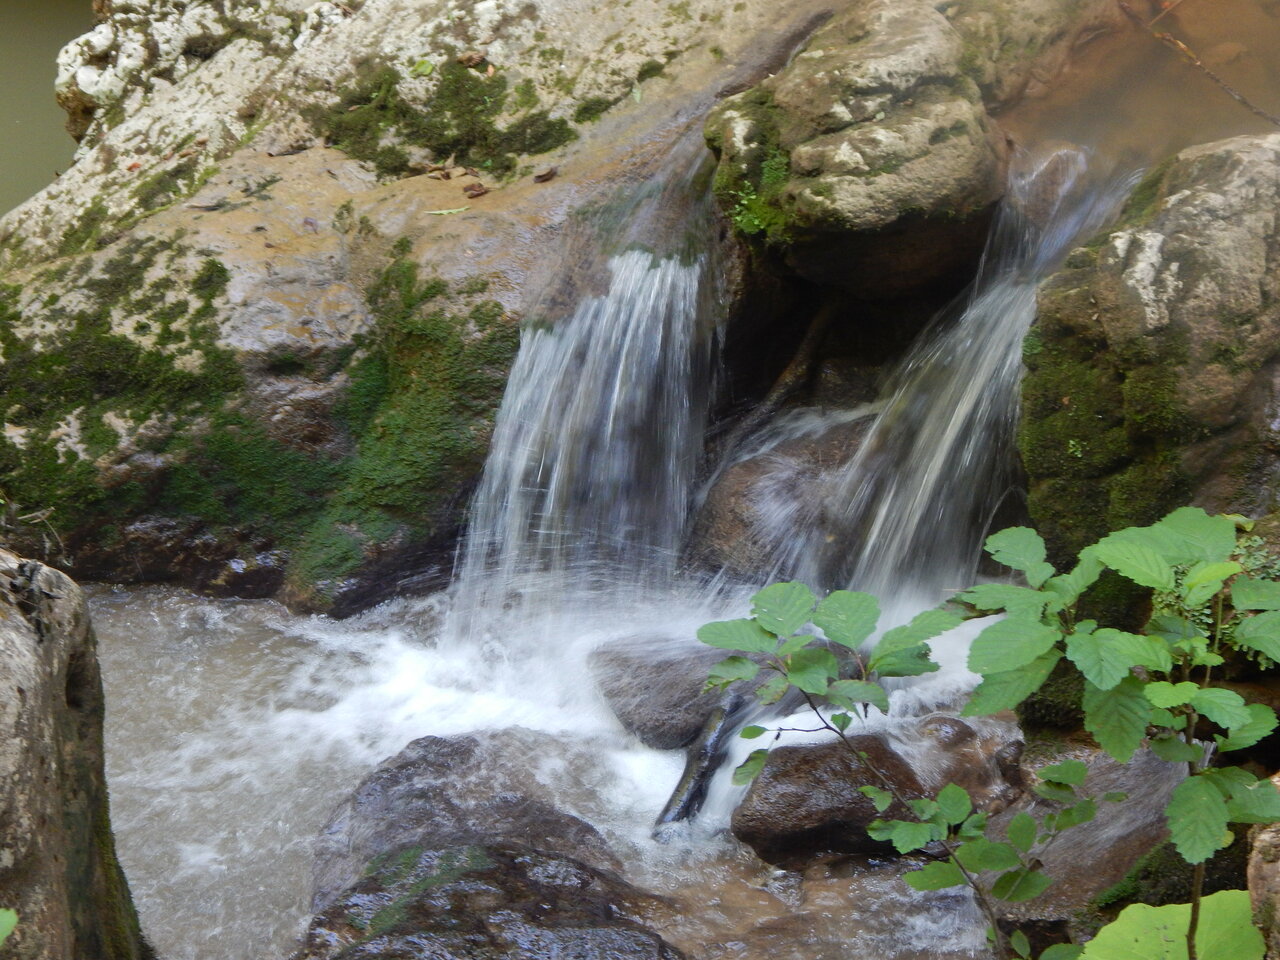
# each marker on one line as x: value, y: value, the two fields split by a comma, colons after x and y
x: 1190, y: 56
x: 1165, y: 12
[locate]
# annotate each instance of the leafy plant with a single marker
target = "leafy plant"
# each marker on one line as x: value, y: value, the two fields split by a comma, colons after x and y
x: 8, y: 921
x: 1155, y: 687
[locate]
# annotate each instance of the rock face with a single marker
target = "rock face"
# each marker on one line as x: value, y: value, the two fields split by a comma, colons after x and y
x: 871, y: 158
x: 452, y: 849
x: 271, y: 307
x: 805, y: 804
x: 58, y: 867
x: 1264, y: 882
x: 1152, y: 373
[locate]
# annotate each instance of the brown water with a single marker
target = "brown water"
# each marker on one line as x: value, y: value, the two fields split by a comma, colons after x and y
x: 34, y: 145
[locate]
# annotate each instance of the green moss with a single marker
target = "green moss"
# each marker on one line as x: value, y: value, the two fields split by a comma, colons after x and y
x: 650, y: 69
x: 751, y: 189
x: 423, y: 396
x: 167, y: 185
x: 373, y: 122
x: 85, y: 231
x: 592, y: 108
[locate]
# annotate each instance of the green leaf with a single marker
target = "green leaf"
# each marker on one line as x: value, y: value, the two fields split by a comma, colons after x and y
x: 1197, y: 815
x: 1207, y: 572
x: 1250, y: 594
x: 1022, y: 831
x: 1164, y: 694
x: 923, y: 626
x: 1115, y: 796
x: 750, y: 767
x: 1199, y: 536
x: 1005, y: 596
x: 1079, y: 813
x: 862, y: 691
x: 1260, y: 632
x: 1070, y: 772
x: 737, y: 635
x: 1141, y: 932
x: 1175, y: 750
x: 812, y: 669
x: 1010, y: 643
x: 954, y: 803
x: 935, y: 876
x: 1022, y: 549
x: 923, y: 807
x: 1057, y: 792
x: 1021, y: 945
x: 1262, y: 720
x: 731, y: 670
x: 771, y: 690
x: 1228, y: 781
x: 1062, y: 951
x: 792, y: 644
x: 1019, y: 885
x: 783, y: 608
x: 1172, y: 628
x: 751, y: 733
x: 1226, y: 708
x: 1067, y: 587
x: 1004, y: 691
x: 903, y: 834
x: 1117, y: 718
x: 880, y: 799
x: 974, y: 826
x: 847, y: 617
x: 988, y: 855
x: 1259, y: 803
x: 8, y: 921
x: 841, y: 721
x: 911, y: 662
x: 1138, y: 563
x: 1106, y: 657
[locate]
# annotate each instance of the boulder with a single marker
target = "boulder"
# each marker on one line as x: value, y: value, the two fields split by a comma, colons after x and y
x: 1264, y: 881
x: 442, y: 792
x: 58, y: 866
x: 454, y: 848
x: 1152, y: 375
x: 806, y: 803
x: 871, y: 159
x: 484, y: 902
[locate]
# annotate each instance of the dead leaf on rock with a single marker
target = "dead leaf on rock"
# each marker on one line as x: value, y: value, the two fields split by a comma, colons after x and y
x: 474, y: 190
x: 542, y: 176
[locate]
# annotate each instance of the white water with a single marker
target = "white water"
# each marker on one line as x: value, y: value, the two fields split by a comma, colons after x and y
x: 228, y: 750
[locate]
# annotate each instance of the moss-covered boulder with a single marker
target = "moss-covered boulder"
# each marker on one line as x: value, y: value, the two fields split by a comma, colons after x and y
x: 871, y: 159
x: 1152, y: 365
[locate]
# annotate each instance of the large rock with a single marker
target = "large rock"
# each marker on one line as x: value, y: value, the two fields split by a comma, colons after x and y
x: 872, y: 158
x: 454, y: 848
x: 806, y: 803
x: 270, y: 308
x: 58, y: 866
x: 1152, y: 366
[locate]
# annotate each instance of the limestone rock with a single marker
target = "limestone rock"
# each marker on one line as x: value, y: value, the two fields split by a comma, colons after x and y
x: 58, y: 867
x: 1264, y: 882
x: 1152, y: 367
x: 871, y: 158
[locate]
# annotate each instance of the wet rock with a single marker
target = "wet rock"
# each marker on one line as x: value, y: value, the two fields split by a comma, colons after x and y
x: 58, y: 866
x: 1153, y: 373
x: 655, y: 687
x: 1264, y: 881
x: 754, y: 506
x: 441, y: 792
x: 871, y: 158
x: 806, y: 805
x: 484, y: 902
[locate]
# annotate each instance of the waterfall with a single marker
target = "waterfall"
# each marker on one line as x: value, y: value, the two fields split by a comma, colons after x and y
x: 905, y: 517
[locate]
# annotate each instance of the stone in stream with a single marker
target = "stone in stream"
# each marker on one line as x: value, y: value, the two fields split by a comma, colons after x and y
x: 454, y: 848
x: 806, y: 804
x: 58, y: 865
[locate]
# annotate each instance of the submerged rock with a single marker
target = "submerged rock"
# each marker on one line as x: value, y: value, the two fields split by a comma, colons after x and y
x: 1152, y: 366
x: 58, y: 865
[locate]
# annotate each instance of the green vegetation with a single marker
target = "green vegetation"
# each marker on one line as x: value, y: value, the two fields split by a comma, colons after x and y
x: 1155, y: 685
x: 372, y: 121
x: 8, y: 921
x: 751, y: 190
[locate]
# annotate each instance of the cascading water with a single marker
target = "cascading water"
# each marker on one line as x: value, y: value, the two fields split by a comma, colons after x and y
x: 573, y: 545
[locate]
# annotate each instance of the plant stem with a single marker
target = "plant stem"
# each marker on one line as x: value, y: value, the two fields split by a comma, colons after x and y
x: 1197, y: 886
